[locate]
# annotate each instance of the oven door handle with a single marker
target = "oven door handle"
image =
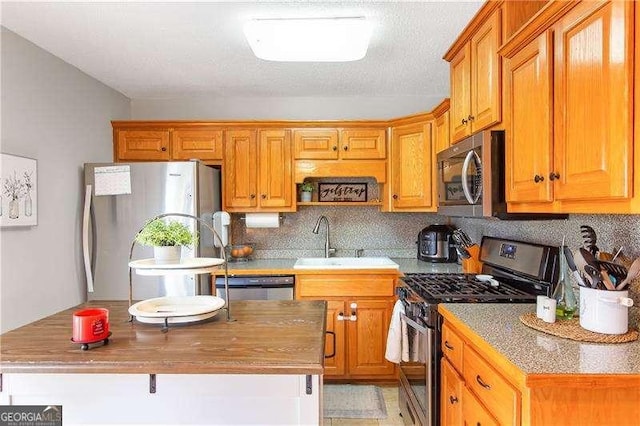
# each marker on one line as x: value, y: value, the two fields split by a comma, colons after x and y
x: 465, y: 183
x: 413, y: 324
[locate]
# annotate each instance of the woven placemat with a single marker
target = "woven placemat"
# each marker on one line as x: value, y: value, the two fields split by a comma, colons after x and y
x: 570, y: 329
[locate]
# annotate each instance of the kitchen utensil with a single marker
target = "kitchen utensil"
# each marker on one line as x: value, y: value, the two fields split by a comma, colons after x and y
x: 590, y: 238
x: 572, y: 266
x: 617, y: 253
x: 604, y: 311
x: 596, y: 277
x: 606, y: 280
x: 618, y: 271
x: 632, y: 274
x: 466, y: 241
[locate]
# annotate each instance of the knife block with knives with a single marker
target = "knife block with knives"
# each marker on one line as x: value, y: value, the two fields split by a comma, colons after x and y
x: 472, y: 265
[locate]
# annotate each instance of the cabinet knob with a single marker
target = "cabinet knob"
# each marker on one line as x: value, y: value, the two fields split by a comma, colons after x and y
x: 471, y: 117
x: 538, y: 178
x: 340, y: 316
x: 164, y: 148
x: 264, y: 196
x: 395, y: 196
x: 453, y: 399
x: 464, y: 121
x: 346, y: 148
x: 554, y: 176
x: 335, y: 148
x: 252, y: 196
x: 448, y: 345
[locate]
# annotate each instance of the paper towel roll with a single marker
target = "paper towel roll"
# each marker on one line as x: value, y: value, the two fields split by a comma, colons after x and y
x: 262, y: 220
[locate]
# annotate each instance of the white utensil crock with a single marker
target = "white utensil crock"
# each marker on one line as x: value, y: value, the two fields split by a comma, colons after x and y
x: 604, y: 311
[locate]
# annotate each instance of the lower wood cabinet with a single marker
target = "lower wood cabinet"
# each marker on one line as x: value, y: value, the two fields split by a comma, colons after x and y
x: 473, y: 392
x: 482, y: 387
x: 358, y: 316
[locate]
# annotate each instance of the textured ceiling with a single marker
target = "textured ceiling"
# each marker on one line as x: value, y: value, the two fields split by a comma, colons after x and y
x: 176, y: 50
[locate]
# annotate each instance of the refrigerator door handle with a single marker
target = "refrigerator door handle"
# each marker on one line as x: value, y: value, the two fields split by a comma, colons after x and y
x: 85, y: 237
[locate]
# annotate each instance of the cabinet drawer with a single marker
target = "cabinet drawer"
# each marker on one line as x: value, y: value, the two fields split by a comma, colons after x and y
x: 344, y: 285
x: 452, y: 346
x: 491, y: 388
x: 474, y: 413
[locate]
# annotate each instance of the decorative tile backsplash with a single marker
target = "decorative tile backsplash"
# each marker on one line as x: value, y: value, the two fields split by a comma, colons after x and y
x: 395, y: 234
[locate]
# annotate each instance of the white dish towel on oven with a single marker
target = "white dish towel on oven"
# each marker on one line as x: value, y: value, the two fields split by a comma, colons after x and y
x: 397, y: 339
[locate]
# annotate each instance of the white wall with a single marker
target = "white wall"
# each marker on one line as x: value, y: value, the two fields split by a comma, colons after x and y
x: 60, y: 116
x: 313, y: 108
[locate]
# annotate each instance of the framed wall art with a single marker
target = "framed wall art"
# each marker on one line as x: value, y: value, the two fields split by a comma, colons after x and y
x: 19, y: 196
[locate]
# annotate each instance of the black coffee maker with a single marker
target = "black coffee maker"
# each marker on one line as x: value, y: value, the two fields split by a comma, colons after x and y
x: 436, y: 245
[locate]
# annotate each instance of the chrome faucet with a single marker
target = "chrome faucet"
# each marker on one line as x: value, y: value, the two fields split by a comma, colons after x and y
x: 328, y: 251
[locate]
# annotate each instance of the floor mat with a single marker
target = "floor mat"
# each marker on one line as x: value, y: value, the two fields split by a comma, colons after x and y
x: 353, y: 402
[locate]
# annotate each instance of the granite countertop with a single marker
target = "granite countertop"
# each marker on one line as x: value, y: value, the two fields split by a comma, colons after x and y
x: 535, y: 352
x: 266, y: 337
x: 285, y: 266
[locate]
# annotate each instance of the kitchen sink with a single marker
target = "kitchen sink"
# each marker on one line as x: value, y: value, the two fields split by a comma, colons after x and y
x: 345, y: 263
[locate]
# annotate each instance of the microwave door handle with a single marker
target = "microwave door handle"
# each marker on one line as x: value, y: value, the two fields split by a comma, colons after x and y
x: 465, y: 184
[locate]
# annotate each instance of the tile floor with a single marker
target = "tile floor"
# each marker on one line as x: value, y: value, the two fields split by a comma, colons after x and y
x: 390, y: 394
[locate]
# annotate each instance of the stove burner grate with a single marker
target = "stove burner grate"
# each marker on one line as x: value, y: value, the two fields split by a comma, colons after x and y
x: 463, y: 287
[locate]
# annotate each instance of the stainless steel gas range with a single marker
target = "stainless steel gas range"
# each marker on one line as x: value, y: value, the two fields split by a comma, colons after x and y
x: 520, y: 271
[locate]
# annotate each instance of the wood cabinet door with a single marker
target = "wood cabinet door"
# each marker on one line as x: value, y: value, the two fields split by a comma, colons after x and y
x: 473, y: 412
x: 528, y: 123
x: 274, y: 163
x: 367, y: 336
x: 203, y: 144
x: 363, y: 144
x: 335, y: 365
x: 485, y: 74
x: 593, y: 87
x: 143, y: 145
x: 240, y: 170
x: 441, y: 132
x: 460, y: 69
x: 315, y: 144
x: 450, y: 395
x: 412, y: 166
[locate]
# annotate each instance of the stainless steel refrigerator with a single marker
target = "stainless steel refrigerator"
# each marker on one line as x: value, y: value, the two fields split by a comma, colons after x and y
x: 119, y: 199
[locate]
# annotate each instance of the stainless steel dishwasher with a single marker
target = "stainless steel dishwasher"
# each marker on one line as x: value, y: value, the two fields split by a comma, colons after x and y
x: 257, y: 287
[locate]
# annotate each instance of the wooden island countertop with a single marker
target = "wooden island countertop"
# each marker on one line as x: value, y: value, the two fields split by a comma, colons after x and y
x: 267, y: 337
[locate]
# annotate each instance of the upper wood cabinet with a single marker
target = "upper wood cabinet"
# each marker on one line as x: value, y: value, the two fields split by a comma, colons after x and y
x: 569, y: 111
x: 203, y: 144
x: 142, y: 145
x: 441, y: 126
x: 412, y: 168
x: 149, y: 141
x: 257, y: 171
x: 332, y: 144
x: 475, y: 80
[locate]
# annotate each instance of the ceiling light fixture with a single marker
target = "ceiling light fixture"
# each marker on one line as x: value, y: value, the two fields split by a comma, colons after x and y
x: 309, y: 39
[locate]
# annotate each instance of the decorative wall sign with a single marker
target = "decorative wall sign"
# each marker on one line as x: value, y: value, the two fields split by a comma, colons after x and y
x: 19, y: 196
x: 342, y: 192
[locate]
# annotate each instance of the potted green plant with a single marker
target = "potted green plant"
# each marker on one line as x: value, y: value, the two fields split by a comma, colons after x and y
x: 306, y: 189
x: 167, y: 239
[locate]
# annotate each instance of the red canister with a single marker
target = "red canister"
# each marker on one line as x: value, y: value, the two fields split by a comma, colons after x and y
x: 90, y: 325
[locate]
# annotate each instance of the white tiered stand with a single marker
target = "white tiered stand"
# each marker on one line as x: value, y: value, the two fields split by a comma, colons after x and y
x: 183, y: 309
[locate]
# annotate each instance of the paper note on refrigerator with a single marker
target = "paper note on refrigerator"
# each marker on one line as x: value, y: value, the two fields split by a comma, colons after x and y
x: 112, y: 180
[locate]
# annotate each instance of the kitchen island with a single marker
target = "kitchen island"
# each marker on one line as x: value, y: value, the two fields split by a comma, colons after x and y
x: 266, y: 366
x: 500, y: 368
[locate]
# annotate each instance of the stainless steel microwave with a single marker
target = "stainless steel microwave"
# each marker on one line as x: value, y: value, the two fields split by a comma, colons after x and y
x: 471, y: 179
